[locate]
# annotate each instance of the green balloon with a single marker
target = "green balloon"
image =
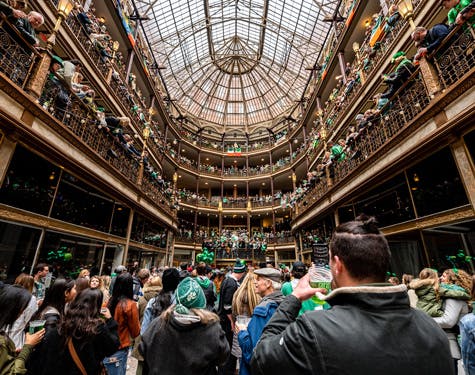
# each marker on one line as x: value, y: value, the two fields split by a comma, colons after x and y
x: 68, y: 257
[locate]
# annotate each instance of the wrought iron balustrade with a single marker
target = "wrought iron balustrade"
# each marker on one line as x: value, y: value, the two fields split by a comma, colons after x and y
x: 456, y: 56
x: 17, y: 56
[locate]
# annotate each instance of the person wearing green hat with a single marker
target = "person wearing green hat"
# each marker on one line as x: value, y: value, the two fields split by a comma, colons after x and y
x: 186, y: 338
x: 396, y: 79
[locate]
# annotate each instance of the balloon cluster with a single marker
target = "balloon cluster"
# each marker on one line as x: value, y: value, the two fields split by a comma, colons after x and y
x: 459, y: 258
x: 206, y: 256
x: 60, y: 255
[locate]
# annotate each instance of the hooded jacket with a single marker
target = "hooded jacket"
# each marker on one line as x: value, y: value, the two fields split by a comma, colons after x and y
x: 260, y: 316
x: 183, y: 345
x: 369, y: 330
x: 209, y: 291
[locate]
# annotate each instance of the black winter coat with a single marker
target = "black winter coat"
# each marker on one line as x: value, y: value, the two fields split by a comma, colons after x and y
x: 54, y: 358
x: 173, y: 347
x: 369, y: 330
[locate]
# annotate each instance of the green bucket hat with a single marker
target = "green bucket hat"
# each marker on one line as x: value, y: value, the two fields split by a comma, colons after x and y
x: 189, y: 295
x: 397, y: 55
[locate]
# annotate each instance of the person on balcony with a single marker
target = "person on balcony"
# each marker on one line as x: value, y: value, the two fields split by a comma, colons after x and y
x: 396, y: 79
x: 455, y: 8
x: 26, y: 27
x: 428, y: 40
x: 11, y: 11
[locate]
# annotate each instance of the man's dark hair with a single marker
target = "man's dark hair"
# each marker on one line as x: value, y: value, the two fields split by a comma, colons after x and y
x: 298, y: 270
x: 362, y: 248
x: 201, y: 269
x: 183, y: 266
x: 40, y: 267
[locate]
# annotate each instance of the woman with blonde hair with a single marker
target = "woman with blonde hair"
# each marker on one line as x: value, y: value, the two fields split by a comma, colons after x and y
x: 454, y: 309
x: 84, y: 274
x: 245, y: 299
x: 106, y: 283
x: 95, y: 282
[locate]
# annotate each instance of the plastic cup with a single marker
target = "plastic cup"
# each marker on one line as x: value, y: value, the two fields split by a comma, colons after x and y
x: 36, y: 325
x: 242, y: 321
x: 320, y: 277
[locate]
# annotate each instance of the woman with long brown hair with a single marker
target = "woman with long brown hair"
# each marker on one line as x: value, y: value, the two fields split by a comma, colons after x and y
x: 125, y: 312
x: 86, y: 335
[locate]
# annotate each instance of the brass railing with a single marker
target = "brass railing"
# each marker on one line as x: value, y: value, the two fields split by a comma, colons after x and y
x: 455, y: 57
x: 17, y: 57
x: 80, y: 119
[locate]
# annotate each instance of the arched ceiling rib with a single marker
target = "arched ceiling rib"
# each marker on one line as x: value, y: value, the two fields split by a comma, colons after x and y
x: 236, y: 63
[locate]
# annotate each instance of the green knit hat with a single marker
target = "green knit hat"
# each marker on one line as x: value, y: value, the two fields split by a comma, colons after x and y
x: 239, y: 266
x: 189, y: 295
x: 397, y: 55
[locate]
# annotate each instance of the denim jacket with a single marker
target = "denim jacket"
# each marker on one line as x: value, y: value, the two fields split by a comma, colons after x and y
x: 467, y: 333
x: 248, y: 338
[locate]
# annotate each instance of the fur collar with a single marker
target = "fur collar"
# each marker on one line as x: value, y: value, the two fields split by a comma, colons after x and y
x: 366, y: 289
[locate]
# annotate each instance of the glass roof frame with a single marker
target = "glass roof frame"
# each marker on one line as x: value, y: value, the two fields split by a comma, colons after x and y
x: 236, y: 63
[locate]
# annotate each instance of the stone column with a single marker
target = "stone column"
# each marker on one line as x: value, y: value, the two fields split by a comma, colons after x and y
x: 7, y: 149
x: 466, y: 169
x: 430, y: 78
x: 38, y: 77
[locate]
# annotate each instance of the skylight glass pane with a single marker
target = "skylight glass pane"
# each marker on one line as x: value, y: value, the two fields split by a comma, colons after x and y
x: 237, y: 70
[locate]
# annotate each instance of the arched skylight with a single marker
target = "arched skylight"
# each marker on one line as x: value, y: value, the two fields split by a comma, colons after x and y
x: 236, y: 63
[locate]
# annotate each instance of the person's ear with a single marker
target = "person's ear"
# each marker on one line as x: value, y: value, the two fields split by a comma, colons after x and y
x: 338, y: 266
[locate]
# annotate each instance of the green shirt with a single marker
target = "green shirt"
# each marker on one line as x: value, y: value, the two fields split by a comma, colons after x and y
x: 453, y: 12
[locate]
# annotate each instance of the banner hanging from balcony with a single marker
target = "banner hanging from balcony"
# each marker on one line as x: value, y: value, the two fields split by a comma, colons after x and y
x: 125, y: 23
x: 234, y: 150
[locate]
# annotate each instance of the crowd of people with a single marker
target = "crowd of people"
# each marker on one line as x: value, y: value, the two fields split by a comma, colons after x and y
x: 253, y: 319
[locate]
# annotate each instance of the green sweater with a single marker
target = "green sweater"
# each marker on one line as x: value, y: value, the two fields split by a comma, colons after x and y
x: 10, y: 362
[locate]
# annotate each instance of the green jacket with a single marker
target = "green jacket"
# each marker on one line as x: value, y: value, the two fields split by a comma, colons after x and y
x: 10, y: 362
x: 431, y: 302
x: 453, y: 12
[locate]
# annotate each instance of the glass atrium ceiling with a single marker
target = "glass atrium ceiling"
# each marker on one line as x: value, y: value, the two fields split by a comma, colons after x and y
x: 236, y: 63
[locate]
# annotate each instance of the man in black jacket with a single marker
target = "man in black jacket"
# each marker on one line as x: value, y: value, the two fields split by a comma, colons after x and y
x: 228, y: 288
x: 370, y: 329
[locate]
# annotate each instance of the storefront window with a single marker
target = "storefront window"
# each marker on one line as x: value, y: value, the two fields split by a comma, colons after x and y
x: 17, y: 250
x: 79, y: 203
x: 112, y: 258
x: 67, y: 254
x: 146, y: 231
x: 470, y: 142
x: 407, y: 254
x: 346, y: 213
x: 436, y: 185
x: 451, y: 246
x: 30, y: 182
x: 390, y: 202
x: 120, y: 220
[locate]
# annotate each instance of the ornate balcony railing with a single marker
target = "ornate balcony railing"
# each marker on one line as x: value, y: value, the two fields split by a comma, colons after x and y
x: 17, y: 57
x: 455, y: 57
